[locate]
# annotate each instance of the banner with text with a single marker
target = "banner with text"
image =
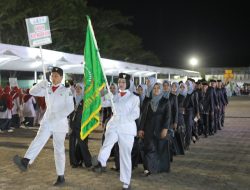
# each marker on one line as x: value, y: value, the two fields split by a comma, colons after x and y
x: 38, y: 31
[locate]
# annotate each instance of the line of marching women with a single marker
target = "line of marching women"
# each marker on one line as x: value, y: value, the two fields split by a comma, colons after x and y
x: 172, y: 115
x: 18, y: 107
x: 175, y: 114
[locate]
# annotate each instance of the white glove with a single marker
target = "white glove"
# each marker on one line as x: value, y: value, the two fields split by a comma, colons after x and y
x: 110, y: 96
x: 43, y: 84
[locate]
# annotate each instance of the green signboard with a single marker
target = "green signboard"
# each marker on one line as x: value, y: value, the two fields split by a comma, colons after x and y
x: 38, y: 31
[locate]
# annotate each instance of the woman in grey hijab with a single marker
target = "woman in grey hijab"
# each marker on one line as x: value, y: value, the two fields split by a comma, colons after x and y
x: 150, y: 85
x: 174, y: 118
x: 141, y: 90
x: 181, y: 127
x: 132, y: 86
x: 189, y: 107
x: 166, y: 88
x: 79, y: 88
x: 153, y: 129
x: 113, y: 88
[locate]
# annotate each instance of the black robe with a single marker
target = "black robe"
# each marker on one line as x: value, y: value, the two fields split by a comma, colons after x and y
x: 78, y: 149
x: 156, y: 150
x: 180, y: 132
x: 174, y: 108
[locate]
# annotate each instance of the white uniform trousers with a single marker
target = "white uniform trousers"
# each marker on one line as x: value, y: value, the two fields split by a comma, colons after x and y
x: 58, y: 143
x: 125, y: 143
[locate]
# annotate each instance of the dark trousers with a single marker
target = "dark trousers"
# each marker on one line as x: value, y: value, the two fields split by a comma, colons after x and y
x: 222, y: 116
x: 205, y: 123
x: 216, y: 120
x: 29, y: 121
x: 15, y: 121
x: 195, y: 129
x: 211, y: 123
x: 79, y: 150
x: 5, y: 124
x: 189, y: 122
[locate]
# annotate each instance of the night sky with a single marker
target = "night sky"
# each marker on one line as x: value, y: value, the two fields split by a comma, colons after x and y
x: 216, y: 33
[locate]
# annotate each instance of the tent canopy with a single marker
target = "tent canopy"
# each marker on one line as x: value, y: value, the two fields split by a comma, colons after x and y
x: 21, y: 58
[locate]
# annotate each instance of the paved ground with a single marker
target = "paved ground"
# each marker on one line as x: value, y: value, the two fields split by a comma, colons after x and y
x: 218, y: 162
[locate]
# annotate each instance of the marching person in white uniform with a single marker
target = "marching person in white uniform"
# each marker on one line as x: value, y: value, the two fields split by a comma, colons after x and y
x: 121, y: 128
x: 59, y: 101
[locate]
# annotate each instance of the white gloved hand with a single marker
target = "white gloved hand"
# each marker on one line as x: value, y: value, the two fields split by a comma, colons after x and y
x: 43, y: 84
x: 110, y: 96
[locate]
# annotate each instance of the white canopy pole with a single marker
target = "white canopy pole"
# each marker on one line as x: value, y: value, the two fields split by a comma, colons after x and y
x: 35, y: 76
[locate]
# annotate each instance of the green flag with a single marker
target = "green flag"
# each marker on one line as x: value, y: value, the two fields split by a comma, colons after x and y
x: 93, y: 83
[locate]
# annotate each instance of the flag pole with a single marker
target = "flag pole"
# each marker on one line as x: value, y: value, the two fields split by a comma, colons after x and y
x: 44, y: 73
x: 99, y: 56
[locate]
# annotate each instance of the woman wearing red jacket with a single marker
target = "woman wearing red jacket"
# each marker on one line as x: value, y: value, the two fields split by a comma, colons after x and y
x: 6, y: 105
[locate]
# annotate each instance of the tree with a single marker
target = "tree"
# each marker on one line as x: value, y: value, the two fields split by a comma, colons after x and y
x: 68, y: 25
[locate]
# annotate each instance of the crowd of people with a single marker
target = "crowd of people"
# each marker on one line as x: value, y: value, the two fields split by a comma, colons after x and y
x: 148, y: 124
x: 172, y: 115
x: 19, y: 108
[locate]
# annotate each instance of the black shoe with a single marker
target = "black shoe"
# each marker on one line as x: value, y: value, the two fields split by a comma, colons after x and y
x: 146, y: 173
x: 98, y: 168
x: 74, y: 166
x: 211, y: 133
x: 88, y: 166
x: 60, y: 180
x: 22, y: 163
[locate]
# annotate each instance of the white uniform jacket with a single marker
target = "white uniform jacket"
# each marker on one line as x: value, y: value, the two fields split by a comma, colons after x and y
x: 127, y: 109
x: 59, y: 105
x: 16, y: 106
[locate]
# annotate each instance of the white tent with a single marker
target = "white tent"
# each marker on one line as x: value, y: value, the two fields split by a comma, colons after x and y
x: 22, y: 58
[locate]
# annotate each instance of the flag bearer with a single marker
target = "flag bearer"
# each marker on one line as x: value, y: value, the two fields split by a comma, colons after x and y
x: 59, y: 101
x: 121, y: 128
